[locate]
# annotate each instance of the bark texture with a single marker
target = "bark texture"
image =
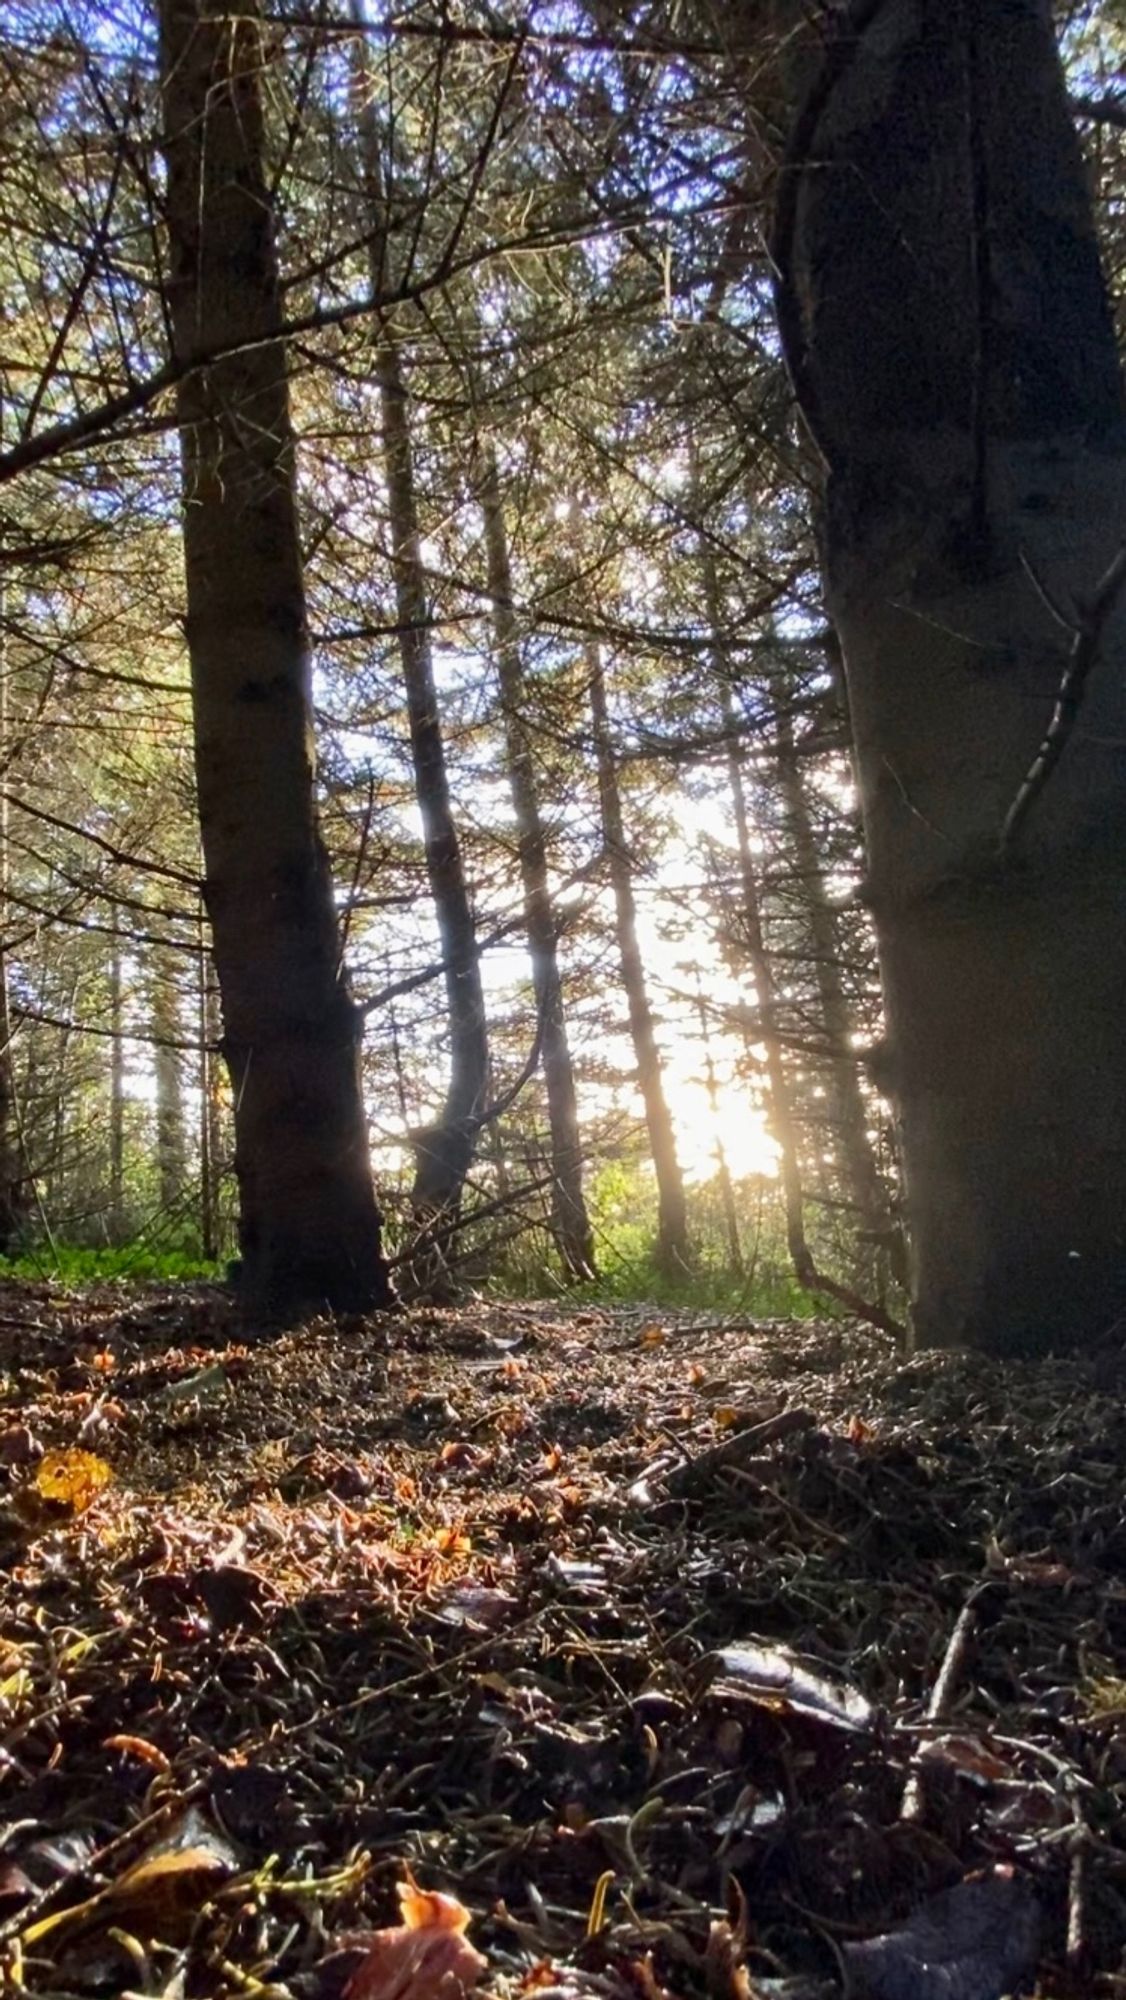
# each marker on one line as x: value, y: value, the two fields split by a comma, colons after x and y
x: 950, y: 339
x: 856, y: 1157
x: 444, y: 1151
x: 573, y: 1234
x: 309, y: 1226
x: 673, y: 1248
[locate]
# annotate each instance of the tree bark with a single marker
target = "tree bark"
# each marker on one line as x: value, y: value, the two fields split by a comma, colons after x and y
x: 309, y: 1225
x: 571, y: 1224
x: 948, y: 332
x: 856, y: 1158
x: 167, y: 1029
x: 117, y: 1230
x: 673, y: 1250
x: 444, y: 1150
x: 12, y: 1171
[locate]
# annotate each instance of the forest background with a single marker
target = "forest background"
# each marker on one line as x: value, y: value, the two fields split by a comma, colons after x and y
x: 584, y: 768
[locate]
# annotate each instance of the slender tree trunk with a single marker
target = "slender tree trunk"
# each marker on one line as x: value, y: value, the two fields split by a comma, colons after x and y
x: 208, y: 1214
x: 780, y: 1119
x: 855, y: 1155
x: 723, y: 1171
x: 443, y: 1151
x: 309, y: 1226
x: 673, y: 1249
x: 218, y: 1135
x: 116, y: 1091
x: 11, y: 1150
x: 167, y: 1028
x: 947, y: 328
x: 570, y: 1222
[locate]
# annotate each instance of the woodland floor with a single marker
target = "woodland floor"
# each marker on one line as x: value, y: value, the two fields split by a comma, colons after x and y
x: 457, y: 1594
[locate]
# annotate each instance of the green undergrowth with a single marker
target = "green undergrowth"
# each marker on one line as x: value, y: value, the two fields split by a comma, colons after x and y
x: 766, y: 1294
x: 75, y: 1264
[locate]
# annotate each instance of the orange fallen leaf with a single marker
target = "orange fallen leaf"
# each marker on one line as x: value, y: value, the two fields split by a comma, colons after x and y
x: 426, y: 1957
x: 651, y: 1335
x: 452, y: 1542
x: 726, y: 1416
x: 859, y: 1432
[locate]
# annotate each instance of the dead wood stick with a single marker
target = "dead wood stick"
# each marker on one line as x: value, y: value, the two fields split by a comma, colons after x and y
x: 1077, y: 1948
x: 949, y: 1674
x: 686, y: 1478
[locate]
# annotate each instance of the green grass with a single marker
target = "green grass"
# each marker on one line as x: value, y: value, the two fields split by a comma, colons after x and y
x: 71, y: 1264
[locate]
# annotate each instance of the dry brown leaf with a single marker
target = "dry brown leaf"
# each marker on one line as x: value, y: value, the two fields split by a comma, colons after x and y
x: 426, y: 1957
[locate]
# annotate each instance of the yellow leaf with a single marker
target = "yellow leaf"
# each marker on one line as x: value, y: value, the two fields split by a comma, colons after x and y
x: 726, y: 1415
x: 71, y: 1479
x: 651, y: 1335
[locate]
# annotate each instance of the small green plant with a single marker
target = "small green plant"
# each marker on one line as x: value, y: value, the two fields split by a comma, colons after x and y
x: 74, y: 1264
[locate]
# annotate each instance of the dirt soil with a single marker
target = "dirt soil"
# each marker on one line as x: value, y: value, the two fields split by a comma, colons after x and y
x: 693, y: 1657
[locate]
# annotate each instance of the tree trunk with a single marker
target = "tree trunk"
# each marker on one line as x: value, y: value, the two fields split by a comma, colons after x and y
x: 443, y: 1151
x: 855, y: 1156
x: 309, y: 1226
x: 723, y: 1172
x: 947, y: 328
x: 209, y: 1165
x: 571, y: 1224
x: 116, y: 1091
x: 11, y: 1148
x: 167, y: 1029
x: 780, y: 1120
x: 672, y: 1248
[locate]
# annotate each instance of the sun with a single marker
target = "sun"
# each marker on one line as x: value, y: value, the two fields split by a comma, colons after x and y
x: 735, y: 1124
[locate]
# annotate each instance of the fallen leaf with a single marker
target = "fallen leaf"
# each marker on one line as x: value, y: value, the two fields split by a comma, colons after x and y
x: 652, y: 1335
x: 426, y: 1957
x: 770, y: 1676
x: 977, y: 1941
x: 71, y: 1480
x: 452, y: 1542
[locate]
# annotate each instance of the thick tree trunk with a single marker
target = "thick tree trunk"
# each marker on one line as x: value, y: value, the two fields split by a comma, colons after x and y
x: 309, y: 1225
x: 672, y: 1248
x: 571, y: 1224
x: 948, y: 332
